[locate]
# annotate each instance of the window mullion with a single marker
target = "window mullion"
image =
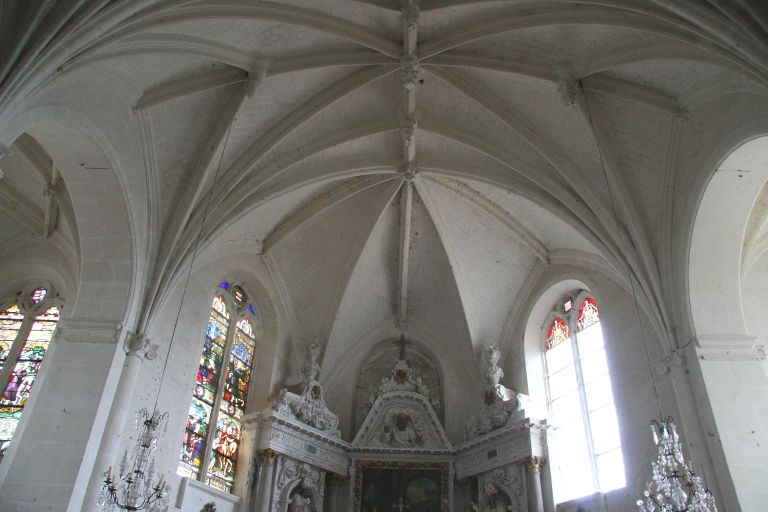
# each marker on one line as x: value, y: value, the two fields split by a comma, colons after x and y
x: 15, y: 350
x: 584, y: 407
x: 214, y: 420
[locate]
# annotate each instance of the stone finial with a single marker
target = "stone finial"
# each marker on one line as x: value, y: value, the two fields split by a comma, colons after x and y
x: 311, y: 369
x: 493, y: 373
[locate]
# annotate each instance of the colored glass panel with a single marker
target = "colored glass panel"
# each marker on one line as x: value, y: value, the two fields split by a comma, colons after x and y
x: 25, y: 371
x: 224, y: 441
x: 10, y: 323
x: 223, y: 464
x: 9, y: 419
x: 588, y: 314
x: 38, y: 295
x: 558, y: 333
x: 193, y: 445
x: 239, y: 295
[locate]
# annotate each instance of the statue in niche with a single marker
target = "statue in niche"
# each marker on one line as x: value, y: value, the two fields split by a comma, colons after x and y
x: 300, y: 500
x: 495, y: 500
x: 302, y: 495
x: 400, y: 431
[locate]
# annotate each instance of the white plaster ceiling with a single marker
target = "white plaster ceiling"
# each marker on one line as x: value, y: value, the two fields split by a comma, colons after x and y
x: 524, y: 113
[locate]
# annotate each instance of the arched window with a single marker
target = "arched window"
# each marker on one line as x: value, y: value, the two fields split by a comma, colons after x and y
x: 214, y: 423
x: 586, y: 448
x: 27, y: 324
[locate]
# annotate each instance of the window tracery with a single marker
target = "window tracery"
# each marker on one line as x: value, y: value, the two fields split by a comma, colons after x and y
x: 27, y: 324
x: 586, y: 446
x: 214, y: 422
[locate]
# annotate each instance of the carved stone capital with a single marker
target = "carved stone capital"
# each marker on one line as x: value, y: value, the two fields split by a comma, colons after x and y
x: 533, y: 464
x: 138, y: 344
x: 268, y: 456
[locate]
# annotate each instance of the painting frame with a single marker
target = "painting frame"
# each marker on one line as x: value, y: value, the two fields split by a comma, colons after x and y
x: 362, y: 465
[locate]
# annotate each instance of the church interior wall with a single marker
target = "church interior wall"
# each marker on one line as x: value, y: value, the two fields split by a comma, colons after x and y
x: 630, y: 373
x: 664, y: 123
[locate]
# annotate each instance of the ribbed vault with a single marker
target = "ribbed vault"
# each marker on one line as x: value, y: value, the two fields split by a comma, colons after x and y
x: 405, y: 166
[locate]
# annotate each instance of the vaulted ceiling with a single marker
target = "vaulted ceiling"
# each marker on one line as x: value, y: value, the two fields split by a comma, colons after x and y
x: 405, y: 167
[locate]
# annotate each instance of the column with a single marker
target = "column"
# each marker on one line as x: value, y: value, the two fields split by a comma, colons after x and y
x: 51, y: 458
x: 266, y: 475
x: 137, y: 348
x: 334, y: 487
x: 533, y: 483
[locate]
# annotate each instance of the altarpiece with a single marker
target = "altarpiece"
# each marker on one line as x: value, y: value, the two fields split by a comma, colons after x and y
x: 400, y: 458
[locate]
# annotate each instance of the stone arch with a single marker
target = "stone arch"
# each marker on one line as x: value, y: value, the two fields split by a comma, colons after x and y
x: 89, y: 164
x: 716, y: 248
x: 731, y: 372
x: 291, y: 489
x: 182, y: 348
x: 538, y: 318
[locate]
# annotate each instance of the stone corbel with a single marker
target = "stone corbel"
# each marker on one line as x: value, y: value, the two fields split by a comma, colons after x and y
x: 674, y: 362
x: 729, y: 348
x: 137, y: 343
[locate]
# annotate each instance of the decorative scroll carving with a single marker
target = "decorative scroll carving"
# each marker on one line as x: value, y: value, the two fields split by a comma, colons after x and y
x: 402, y: 378
x: 402, y: 420
x: 307, y: 404
x: 499, y: 403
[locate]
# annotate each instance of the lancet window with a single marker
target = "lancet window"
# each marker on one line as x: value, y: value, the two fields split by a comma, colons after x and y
x: 214, y: 422
x: 585, y: 447
x: 27, y: 324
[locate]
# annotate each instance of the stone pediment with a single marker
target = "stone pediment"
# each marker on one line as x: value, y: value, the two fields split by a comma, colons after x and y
x: 402, y: 420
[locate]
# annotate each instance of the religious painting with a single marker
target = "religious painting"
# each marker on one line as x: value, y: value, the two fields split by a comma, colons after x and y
x: 401, y: 486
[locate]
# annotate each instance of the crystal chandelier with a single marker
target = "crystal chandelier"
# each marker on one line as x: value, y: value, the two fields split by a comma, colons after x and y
x: 674, y: 486
x: 134, y: 488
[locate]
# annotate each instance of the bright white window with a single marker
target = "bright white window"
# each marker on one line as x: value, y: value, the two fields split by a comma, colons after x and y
x: 585, y: 448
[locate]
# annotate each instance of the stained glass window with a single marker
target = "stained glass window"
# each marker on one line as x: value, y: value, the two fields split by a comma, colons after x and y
x: 38, y: 295
x: 585, y: 447
x: 558, y: 333
x: 24, y: 338
x: 588, y: 314
x: 10, y: 323
x: 203, y: 446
